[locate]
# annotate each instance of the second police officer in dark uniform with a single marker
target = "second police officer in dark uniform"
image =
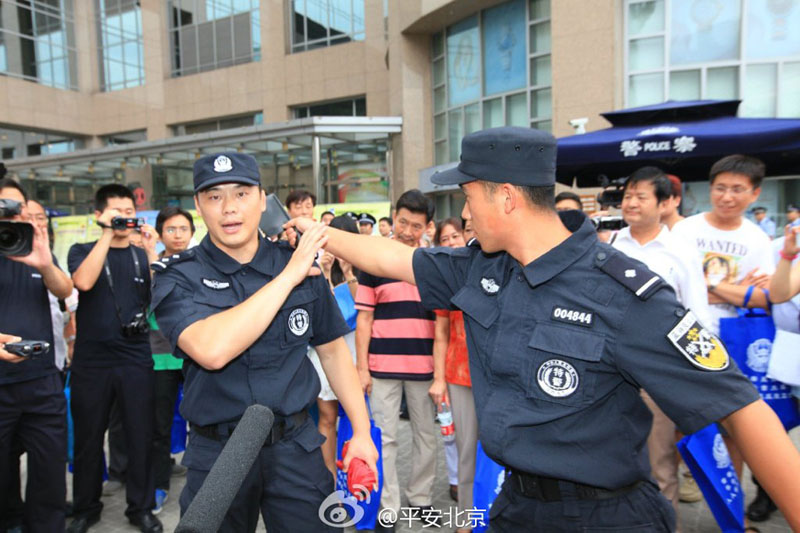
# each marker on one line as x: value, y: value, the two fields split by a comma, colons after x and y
x: 242, y: 311
x: 562, y: 332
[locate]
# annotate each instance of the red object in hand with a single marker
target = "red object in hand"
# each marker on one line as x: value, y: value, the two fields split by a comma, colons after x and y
x: 360, y: 478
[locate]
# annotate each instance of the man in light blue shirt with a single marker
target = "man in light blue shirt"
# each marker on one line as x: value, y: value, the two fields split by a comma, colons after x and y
x: 764, y: 222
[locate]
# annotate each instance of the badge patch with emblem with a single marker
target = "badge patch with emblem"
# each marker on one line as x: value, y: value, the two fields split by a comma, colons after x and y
x: 489, y: 285
x: 701, y: 347
x: 298, y: 321
x: 215, y: 284
x: 223, y: 164
x: 557, y: 378
x: 572, y: 316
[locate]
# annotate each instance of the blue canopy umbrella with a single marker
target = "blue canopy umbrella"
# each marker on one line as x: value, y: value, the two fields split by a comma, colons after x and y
x: 683, y: 138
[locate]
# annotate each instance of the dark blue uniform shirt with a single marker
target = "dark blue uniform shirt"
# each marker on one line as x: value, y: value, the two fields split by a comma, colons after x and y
x: 275, y: 370
x: 99, y: 341
x: 559, y: 349
x: 25, y: 312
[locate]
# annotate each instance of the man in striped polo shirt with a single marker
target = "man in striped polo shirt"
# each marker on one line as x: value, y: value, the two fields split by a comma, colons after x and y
x: 394, y: 345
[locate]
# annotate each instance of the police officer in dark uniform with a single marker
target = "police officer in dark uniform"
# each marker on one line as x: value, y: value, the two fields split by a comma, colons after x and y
x: 562, y: 332
x: 32, y: 405
x: 242, y: 311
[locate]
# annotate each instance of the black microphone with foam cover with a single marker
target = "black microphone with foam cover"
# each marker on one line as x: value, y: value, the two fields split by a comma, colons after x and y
x: 211, y: 503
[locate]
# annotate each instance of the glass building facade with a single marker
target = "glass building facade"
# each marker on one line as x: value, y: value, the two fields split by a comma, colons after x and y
x: 320, y: 23
x: 692, y: 49
x: 211, y: 34
x: 37, y: 42
x: 491, y: 69
x: 119, y: 29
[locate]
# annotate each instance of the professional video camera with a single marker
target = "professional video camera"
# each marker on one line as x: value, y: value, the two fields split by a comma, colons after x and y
x: 611, y: 196
x: 16, y: 238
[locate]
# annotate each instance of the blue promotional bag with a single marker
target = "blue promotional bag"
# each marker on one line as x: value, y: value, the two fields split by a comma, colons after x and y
x: 362, y: 514
x: 707, y: 457
x: 748, y: 339
x: 489, y: 479
x: 178, y: 437
x: 70, y: 424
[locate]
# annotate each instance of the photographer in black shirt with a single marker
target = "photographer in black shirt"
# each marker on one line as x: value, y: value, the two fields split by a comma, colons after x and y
x: 32, y: 405
x: 112, y: 360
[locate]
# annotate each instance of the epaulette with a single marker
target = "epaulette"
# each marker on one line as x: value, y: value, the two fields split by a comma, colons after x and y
x: 629, y: 273
x: 168, y: 260
x: 473, y: 243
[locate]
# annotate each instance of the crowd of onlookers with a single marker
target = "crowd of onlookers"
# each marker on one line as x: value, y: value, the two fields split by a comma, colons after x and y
x: 412, y: 362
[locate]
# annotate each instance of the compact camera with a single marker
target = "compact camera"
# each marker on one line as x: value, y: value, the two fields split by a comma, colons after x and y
x: 126, y: 223
x: 16, y: 238
x: 27, y: 348
x: 137, y: 326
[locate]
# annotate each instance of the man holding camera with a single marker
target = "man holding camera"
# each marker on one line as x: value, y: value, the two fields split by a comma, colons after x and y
x: 112, y: 359
x: 32, y: 405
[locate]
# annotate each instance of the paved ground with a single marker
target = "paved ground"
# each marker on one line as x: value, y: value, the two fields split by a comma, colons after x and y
x: 695, y: 518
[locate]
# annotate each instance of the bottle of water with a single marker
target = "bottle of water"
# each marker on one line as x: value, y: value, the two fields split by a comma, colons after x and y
x: 446, y: 422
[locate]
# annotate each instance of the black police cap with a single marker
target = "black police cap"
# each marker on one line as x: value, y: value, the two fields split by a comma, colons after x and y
x: 366, y: 218
x: 520, y: 156
x: 228, y: 167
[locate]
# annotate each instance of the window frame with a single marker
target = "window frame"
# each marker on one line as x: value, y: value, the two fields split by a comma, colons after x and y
x: 741, y: 63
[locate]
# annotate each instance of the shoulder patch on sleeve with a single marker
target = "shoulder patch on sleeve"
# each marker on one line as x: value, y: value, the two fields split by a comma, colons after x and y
x: 168, y: 260
x: 634, y: 276
x: 699, y: 345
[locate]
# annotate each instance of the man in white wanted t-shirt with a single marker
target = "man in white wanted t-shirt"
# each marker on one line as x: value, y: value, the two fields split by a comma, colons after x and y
x: 735, y: 252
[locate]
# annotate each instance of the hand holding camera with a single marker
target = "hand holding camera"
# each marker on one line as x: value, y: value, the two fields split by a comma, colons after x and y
x: 5, y: 355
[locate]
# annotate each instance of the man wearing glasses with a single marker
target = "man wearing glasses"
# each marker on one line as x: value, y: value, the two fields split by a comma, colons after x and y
x: 736, y: 254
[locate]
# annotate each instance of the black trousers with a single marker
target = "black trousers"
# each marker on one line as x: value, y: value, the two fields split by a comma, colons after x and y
x: 93, y: 391
x: 641, y: 510
x: 288, y: 483
x: 167, y: 383
x: 33, y: 414
x: 117, y: 447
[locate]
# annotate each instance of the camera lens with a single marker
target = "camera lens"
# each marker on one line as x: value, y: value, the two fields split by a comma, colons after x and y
x: 9, y: 238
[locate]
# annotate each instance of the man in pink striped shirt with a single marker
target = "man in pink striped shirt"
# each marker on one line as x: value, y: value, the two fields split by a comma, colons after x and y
x: 394, y: 346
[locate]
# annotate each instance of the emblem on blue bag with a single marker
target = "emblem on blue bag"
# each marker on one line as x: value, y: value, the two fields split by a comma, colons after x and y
x: 557, y: 378
x: 758, y: 355
x: 701, y: 347
x: 489, y: 285
x: 720, y: 452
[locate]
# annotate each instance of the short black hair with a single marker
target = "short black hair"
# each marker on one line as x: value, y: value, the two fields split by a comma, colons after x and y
x: 662, y: 186
x: 416, y: 202
x: 169, y: 212
x: 542, y: 198
x: 344, y: 223
x: 300, y: 195
x: 568, y: 195
x: 9, y: 183
x: 452, y: 221
x: 748, y: 166
x: 112, y: 190
x: 387, y: 219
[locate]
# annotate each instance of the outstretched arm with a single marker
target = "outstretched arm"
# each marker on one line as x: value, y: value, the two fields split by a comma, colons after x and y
x: 379, y: 257
x: 785, y: 282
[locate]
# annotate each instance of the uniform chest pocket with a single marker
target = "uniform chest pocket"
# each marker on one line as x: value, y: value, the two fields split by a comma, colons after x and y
x: 294, y: 318
x: 482, y: 312
x: 215, y: 300
x: 563, y: 365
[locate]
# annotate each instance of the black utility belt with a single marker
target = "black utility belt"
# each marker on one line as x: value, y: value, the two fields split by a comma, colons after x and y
x: 282, y: 425
x: 548, y: 489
